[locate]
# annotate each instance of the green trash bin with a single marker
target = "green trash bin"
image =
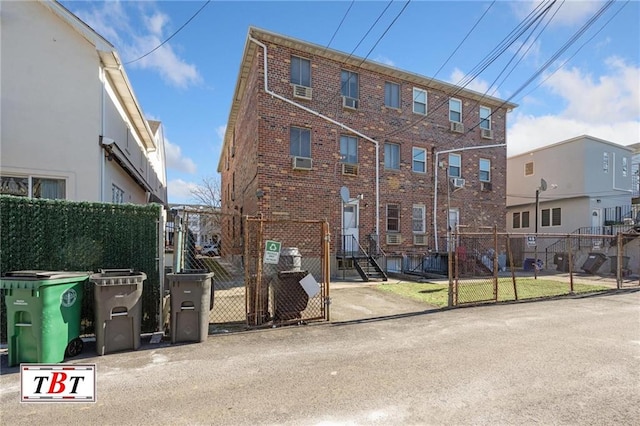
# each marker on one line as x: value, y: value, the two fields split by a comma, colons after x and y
x: 43, y: 315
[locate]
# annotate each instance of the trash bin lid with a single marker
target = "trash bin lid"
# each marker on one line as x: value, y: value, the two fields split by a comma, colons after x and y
x: 36, y: 278
x: 189, y: 275
x: 118, y: 277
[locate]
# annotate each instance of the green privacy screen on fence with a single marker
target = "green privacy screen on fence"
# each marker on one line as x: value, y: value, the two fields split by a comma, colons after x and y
x: 82, y: 236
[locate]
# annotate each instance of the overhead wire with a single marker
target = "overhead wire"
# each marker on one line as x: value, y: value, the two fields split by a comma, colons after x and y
x: 339, y: 25
x: 171, y: 36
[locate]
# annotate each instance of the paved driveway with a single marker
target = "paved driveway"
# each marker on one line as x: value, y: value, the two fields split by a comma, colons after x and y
x: 565, y: 361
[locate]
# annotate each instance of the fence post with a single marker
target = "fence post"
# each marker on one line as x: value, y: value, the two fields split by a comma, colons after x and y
x: 570, y: 255
x: 449, y: 270
x: 513, y: 272
x: 327, y: 269
x: 620, y: 244
x: 495, y: 262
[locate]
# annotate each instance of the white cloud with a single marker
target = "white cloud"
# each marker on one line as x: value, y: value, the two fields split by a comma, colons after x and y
x: 477, y: 84
x: 606, y: 107
x: 385, y: 60
x: 111, y: 20
x: 220, y: 131
x: 176, y: 160
x: 179, y: 191
x: 527, y: 50
x: 570, y: 12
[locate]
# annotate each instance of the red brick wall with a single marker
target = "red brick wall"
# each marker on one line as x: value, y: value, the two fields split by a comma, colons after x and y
x: 315, y: 194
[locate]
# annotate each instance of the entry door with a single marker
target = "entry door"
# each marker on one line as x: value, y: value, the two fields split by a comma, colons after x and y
x: 454, y: 220
x: 596, y: 221
x: 350, y: 227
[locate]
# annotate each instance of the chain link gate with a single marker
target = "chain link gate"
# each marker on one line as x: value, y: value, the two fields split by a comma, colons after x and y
x: 248, y: 291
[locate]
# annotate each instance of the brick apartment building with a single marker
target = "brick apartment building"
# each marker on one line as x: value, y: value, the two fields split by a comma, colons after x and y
x: 327, y: 118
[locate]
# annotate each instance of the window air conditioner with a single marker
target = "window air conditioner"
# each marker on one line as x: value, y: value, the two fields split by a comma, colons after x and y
x: 302, y: 92
x: 486, y: 133
x: 457, y: 127
x: 351, y: 103
x: 394, y: 239
x: 458, y: 182
x: 302, y: 163
x: 350, y: 169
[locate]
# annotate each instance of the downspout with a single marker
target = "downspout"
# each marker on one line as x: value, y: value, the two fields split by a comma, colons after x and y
x: 343, y: 126
x: 435, y: 184
x: 102, y: 119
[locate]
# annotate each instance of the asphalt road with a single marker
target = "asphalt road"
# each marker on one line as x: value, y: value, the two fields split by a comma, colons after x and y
x: 564, y: 361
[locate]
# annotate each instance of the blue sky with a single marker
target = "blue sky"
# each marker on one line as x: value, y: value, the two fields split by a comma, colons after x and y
x: 592, y: 88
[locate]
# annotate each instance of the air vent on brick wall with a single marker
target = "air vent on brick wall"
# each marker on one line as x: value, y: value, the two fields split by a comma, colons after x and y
x: 350, y: 169
x: 351, y: 103
x: 302, y: 163
x: 457, y: 127
x: 419, y: 239
x: 302, y: 92
x: 486, y: 133
x: 394, y: 239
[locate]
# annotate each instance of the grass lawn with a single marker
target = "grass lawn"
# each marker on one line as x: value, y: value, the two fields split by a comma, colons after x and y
x: 482, y: 290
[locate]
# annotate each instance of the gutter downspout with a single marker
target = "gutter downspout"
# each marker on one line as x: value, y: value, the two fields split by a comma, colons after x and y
x: 317, y: 114
x: 103, y: 161
x: 435, y: 185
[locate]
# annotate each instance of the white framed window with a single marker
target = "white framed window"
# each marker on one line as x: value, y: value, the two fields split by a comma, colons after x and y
x: 300, y: 71
x: 418, y: 219
x: 484, y: 170
x: 419, y: 101
x: 349, y: 85
x: 516, y: 220
x: 625, y: 168
x: 455, y: 110
x: 392, y: 95
x: 349, y: 149
x: 419, y: 162
x: 117, y: 194
x: 392, y: 156
x: 33, y: 187
x: 300, y: 142
x: 551, y: 217
x: 455, y: 162
x: 393, y: 218
x: 605, y: 162
x: 485, y: 118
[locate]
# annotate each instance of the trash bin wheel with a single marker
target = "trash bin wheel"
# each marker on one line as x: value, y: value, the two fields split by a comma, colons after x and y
x: 74, y: 347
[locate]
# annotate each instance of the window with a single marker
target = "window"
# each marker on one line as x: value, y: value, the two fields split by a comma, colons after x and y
x: 349, y: 84
x: 419, y: 101
x: 516, y: 220
x: 300, y: 142
x: 454, y: 165
x: 349, y: 149
x: 455, y: 110
x: 528, y: 169
x: 605, y: 162
x: 418, y: 221
x: 520, y: 220
x: 391, y: 156
x: 484, y: 170
x: 33, y: 187
x: 485, y: 118
x: 551, y: 217
x: 393, y: 218
x: 117, y: 195
x: 624, y: 166
x: 525, y: 219
x: 419, y: 160
x: 300, y: 71
x: 392, y: 95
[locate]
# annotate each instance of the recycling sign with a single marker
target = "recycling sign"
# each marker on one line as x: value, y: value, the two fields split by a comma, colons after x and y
x: 272, y: 252
x: 68, y: 298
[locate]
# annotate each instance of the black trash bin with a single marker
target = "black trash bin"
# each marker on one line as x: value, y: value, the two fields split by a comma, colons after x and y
x: 594, y: 262
x: 191, y: 301
x: 118, y: 309
x: 614, y: 263
x: 562, y: 262
x: 289, y: 297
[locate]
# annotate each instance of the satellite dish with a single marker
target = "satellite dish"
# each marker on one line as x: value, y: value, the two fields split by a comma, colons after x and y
x: 543, y: 185
x: 344, y: 194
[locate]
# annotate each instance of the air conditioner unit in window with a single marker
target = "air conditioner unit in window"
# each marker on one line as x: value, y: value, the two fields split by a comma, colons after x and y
x: 302, y: 163
x: 486, y: 133
x: 419, y: 240
x: 394, y: 239
x: 486, y: 186
x: 350, y: 169
x: 349, y: 102
x: 302, y: 92
x: 457, y: 182
x: 457, y: 127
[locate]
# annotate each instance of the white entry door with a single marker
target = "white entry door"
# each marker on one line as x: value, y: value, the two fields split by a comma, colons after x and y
x: 596, y: 220
x: 454, y: 220
x: 350, y: 227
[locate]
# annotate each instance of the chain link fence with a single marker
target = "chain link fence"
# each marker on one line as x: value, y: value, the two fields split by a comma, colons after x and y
x: 265, y: 272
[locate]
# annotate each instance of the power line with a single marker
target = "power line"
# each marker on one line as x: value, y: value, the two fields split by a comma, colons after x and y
x: 171, y: 36
x: 340, y: 25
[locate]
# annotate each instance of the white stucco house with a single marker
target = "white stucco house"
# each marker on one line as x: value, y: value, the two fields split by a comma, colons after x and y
x: 588, y: 185
x: 71, y: 127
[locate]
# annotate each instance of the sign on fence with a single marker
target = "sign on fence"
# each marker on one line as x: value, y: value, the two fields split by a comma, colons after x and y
x: 272, y: 252
x: 531, y: 240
